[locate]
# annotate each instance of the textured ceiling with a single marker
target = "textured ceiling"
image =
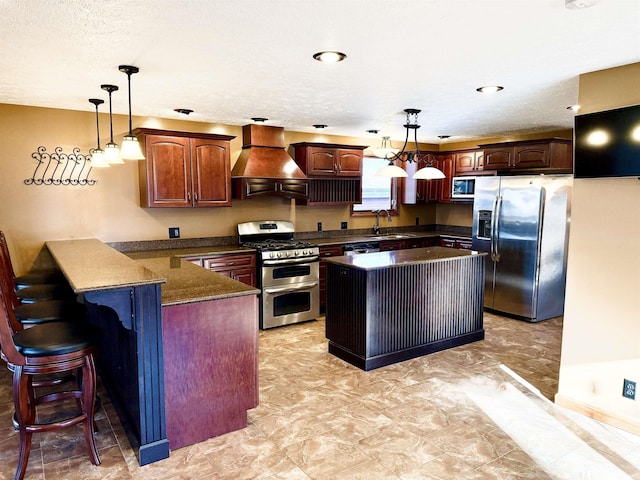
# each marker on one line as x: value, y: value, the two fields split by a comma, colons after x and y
x: 233, y: 60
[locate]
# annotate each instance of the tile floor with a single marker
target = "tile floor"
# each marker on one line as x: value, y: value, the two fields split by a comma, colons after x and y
x: 465, y: 413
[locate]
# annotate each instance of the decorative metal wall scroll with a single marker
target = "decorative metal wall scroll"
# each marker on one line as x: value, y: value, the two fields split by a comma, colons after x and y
x: 59, y: 168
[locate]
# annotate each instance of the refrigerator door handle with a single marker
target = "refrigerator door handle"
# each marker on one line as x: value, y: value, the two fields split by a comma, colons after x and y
x: 495, y: 236
x: 492, y: 227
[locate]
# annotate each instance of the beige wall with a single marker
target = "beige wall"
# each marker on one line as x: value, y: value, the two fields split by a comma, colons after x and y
x: 601, y: 337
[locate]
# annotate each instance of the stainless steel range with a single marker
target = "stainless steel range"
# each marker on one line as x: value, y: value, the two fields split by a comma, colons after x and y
x: 288, y: 272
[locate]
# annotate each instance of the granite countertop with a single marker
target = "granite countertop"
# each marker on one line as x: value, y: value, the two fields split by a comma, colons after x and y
x: 382, y: 237
x: 398, y: 258
x: 91, y: 265
x: 190, y: 252
x: 188, y: 283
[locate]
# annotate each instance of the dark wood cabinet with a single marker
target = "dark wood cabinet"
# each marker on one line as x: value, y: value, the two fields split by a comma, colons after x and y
x: 325, y: 252
x: 244, y: 188
x: 334, y: 171
x: 184, y: 169
x: 446, y: 163
x: 329, y: 160
x: 455, y: 242
x: 420, y: 242
x: 554, y: 154
x: 240, y: 267
x: 469, y: 162
x: 390, y: 245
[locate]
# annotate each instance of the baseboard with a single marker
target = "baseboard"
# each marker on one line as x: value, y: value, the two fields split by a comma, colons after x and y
x: 597, y: 414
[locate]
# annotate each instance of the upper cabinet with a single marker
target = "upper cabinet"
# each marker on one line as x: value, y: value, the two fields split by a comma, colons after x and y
x: 329, y: 160
x: 552, y: 154
x: 469, y: 162
x: 334, y: 172
x: 184, y: 169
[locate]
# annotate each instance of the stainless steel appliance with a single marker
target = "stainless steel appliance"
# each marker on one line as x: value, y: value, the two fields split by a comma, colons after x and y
x: 463, y: 187
x: 523, y: 223
x: 288, y: 272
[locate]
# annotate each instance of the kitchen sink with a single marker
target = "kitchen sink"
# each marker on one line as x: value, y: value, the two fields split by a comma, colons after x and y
x: 398, y: 236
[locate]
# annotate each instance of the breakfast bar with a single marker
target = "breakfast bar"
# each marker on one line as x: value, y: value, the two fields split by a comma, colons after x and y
x: 178, y: 343
x: 388, y: 307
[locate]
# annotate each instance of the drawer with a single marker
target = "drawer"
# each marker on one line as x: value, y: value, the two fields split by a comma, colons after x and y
x: 331, y: 251
x: 229, y: 261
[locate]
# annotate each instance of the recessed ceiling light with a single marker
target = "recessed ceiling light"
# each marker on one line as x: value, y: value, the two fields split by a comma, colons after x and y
x: 489, y: 89
x: 184, y: 111
x: 329, y: 56
x: 574, y: 108
x: 320, y: 126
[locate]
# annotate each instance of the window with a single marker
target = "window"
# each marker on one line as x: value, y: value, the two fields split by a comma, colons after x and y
x: 377, y: 192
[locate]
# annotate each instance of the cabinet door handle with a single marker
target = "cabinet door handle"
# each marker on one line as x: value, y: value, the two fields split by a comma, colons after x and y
x: 195, y: 197
x: 189, y: 197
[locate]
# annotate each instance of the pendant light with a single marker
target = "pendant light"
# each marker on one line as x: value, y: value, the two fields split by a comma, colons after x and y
x: 111, y: 149
x: 98, y: 159
x: 385, y: 150
x: 130, y: 145
x: 428, y: 172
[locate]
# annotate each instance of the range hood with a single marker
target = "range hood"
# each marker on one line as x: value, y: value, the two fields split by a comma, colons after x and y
x: 264, y: 166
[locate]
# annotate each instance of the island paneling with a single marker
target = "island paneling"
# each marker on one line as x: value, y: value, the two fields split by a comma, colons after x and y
x: 387, y: 307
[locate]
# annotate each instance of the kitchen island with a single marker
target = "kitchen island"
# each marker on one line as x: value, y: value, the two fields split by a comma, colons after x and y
x: 178, y: 343
x: 387, y: 307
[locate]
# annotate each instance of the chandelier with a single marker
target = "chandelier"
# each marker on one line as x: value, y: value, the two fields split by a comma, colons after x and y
x: 424, y: 161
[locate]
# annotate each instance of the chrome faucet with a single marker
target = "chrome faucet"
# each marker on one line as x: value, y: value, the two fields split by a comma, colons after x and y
x: 376, y: 227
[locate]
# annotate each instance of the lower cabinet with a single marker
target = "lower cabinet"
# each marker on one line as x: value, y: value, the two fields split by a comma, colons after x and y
x: 390, y: 245
x: 420, y: 242
x: 240, y: 267
x: 451, y: 242
x: 326, y: 251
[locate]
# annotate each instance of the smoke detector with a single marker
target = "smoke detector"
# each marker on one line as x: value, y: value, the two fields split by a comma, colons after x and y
x: 579, y: 4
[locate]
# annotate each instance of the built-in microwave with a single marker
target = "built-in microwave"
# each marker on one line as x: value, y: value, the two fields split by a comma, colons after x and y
x: 463, y: 187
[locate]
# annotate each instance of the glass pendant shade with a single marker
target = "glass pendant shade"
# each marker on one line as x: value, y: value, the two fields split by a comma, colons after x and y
x: 385, y: 150
x: 392, y: 171
x: 131, y: 148
x: 112, y: 154
x: 98, y: 159
x: 428, y: 173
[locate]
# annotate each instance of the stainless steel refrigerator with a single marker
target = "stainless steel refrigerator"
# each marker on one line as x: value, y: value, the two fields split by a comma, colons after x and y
x: 522, y: 222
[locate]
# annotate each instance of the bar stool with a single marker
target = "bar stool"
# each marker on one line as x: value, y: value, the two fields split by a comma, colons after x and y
x: 34, y: 286
x: 51, y: 348
x: 40, y: 312
x: 42, y: 304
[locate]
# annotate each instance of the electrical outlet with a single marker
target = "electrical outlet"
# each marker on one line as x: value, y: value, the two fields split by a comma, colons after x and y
x: 343, y: 225
x: 319, y: 226
x: 174, y: 232
x: 417, y: 220
x: 629, y: 389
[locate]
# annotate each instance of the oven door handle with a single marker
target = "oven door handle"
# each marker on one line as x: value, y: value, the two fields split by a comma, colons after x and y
x: 291, y: 260
x: 297, y: 288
